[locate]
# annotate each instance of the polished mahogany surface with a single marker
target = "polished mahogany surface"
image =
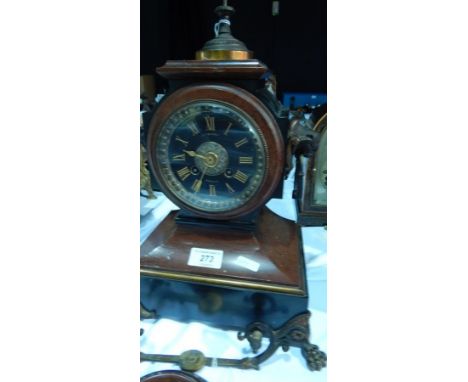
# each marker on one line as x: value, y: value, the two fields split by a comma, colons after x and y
x: 251, y: 106
x: 190, y: 69
x: 274, y: 246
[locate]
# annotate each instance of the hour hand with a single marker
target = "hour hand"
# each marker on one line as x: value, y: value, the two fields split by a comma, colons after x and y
x: 194, y: 154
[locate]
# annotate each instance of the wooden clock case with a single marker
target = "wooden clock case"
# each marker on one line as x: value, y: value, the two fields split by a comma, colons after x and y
x: 255, y: 109
x: 259, y: 286
x: 231, y: 297
x: 241, y: 83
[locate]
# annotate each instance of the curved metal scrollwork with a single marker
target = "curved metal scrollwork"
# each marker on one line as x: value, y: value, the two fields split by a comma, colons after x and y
x: 294, y: 333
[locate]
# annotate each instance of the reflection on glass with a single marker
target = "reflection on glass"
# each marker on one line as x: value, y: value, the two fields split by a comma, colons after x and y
x: 212, y: 156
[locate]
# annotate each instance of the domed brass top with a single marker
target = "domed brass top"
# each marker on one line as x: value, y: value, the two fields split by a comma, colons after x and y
x: 224, y: 46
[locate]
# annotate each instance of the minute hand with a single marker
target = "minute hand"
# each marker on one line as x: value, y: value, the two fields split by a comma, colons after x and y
x: 194, y: 154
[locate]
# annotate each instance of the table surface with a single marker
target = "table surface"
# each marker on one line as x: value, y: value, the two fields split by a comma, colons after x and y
x: 171, y: 337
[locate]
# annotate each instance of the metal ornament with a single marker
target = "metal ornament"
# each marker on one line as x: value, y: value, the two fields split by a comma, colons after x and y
x: 146, y: 314
x: 145, y: 178
x: 302, y: 139
x: 224, y: 46
x: 294, y: 333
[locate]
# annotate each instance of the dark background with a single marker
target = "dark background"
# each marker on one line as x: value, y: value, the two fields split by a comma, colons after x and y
x: 292, y: 44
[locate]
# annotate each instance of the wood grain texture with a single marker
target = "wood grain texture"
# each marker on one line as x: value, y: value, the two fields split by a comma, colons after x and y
x: 262, y: 119
x: 275, y: 245
x: 211, y: 70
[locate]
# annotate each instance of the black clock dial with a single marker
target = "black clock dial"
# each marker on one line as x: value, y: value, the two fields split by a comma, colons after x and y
x: 212, y: 156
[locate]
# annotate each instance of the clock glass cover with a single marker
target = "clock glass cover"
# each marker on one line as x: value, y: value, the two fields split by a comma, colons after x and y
x: 212, y: 156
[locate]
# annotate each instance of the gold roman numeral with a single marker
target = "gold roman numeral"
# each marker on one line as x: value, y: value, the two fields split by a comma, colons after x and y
x: 227, y: 129
x: 179, y: 157
x: 245, y: 160
x: 197, y: 185
x: 210, y: 123
x: 230, y: 189
x: 184, y: 173
x: 212, y: 190
x: 243, y: 141
x: 240, y: 176
x: 181, y: 140
x: 192, y: 126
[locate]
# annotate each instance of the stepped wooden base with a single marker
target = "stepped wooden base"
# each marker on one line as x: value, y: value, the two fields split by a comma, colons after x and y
x: 270, y: 301
x: 232, y: 296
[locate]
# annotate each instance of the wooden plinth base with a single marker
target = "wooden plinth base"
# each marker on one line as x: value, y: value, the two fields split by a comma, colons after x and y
x: 234, y: 295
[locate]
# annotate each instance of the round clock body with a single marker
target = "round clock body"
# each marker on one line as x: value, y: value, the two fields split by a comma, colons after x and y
x: 215, y: 150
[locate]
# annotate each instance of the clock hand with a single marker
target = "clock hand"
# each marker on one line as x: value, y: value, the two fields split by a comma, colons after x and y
x: 199, y: 182
x: 194, y: 154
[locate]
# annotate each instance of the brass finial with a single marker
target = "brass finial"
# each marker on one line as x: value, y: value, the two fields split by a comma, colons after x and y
x: 224, y: 46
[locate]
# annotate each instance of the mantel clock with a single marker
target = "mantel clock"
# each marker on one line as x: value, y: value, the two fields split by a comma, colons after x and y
x: 308, y: 143
x: 216, y: 147
x: 216, y: 150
